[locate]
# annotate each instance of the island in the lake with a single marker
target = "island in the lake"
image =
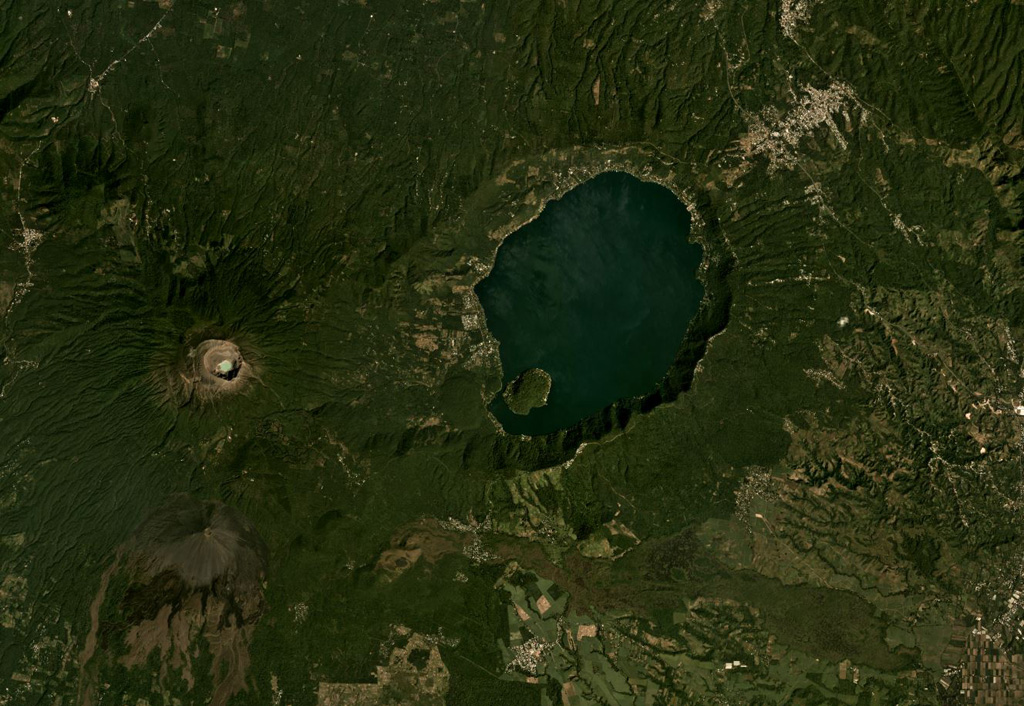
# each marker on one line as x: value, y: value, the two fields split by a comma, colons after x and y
x: 527, y: 391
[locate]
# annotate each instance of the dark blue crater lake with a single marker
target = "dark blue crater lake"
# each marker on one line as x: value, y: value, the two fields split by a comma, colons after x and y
x: 597, y: 291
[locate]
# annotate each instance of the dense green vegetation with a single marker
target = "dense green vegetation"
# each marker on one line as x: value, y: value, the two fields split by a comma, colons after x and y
x: 822, y: 491
x: 528, y: 390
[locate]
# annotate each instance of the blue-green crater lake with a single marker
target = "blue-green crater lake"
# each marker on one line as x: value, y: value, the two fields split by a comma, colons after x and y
x: 597, y: 292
